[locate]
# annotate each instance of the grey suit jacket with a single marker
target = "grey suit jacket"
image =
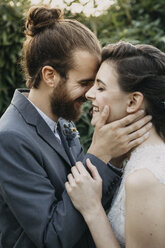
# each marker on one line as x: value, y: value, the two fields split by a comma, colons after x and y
x: 35, y: 210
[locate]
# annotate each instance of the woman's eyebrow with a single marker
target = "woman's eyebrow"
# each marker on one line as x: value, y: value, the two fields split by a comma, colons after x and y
x: 100, y: 81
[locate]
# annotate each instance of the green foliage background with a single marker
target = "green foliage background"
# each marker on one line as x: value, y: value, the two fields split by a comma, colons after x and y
x: 137, y: 21
x: 11, y: 39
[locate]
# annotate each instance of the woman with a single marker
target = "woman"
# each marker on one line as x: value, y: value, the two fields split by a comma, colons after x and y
x: 130, y: 78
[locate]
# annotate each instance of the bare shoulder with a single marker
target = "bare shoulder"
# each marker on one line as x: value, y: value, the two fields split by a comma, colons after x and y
x: 144, y: 184
x: 145, y: 209
x: 142, y: 178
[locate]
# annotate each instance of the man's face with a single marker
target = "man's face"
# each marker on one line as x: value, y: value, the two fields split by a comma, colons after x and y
x: 68, y: 97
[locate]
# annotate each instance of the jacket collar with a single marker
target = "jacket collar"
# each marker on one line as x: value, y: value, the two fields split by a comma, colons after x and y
x: 32, y: 117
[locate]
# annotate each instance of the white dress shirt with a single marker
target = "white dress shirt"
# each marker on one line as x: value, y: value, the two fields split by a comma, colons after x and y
x: 52, y: 124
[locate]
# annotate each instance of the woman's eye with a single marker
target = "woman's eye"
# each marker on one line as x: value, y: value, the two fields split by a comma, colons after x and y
x: 100, y: 89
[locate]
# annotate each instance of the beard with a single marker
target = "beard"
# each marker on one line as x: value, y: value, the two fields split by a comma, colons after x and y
x: 62, y: 105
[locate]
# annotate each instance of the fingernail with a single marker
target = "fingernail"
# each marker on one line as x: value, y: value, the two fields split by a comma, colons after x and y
x: 105, y: 109
x: 149, y: 124
x: 149, y: 117
x: 147, y: 134
x: 141, y: 111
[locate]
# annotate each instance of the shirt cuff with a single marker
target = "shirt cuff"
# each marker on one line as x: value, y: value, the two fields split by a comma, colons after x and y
x: 119, y: 171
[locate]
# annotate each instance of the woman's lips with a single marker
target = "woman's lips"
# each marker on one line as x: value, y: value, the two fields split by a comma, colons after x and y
x: 95, y: 109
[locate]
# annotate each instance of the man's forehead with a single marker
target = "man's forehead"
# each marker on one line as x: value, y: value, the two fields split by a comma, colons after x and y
x: 84, y: 55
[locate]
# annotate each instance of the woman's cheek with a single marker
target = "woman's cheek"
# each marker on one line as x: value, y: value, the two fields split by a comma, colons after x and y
x: 110, y: 116
x: 94, y: 120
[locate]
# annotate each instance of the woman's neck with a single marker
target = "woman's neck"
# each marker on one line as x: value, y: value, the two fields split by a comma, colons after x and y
x: 153, y: 139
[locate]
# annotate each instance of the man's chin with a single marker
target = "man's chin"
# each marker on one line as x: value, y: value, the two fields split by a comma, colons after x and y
x: 78, y: 104
x: 72, y: 116
x: 77, y: 117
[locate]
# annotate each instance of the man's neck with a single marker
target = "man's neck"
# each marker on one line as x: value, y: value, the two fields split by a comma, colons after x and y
x: 42, y: 101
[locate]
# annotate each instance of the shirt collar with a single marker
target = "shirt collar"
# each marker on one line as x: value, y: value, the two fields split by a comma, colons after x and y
x: 52, y: 124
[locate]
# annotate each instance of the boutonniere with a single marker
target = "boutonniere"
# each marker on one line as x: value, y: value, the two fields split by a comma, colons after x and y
x: 70, y: 132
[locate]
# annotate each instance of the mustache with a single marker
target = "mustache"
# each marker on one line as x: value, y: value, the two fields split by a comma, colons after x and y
x: 81, y: 99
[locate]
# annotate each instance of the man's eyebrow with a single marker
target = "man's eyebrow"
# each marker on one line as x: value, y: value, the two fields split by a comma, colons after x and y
x: 100, y: 81
x: 86, y: 80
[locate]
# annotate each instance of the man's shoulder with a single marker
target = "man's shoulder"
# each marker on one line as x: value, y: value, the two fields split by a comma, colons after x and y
x: 9, y: 119
x: 12, y: 123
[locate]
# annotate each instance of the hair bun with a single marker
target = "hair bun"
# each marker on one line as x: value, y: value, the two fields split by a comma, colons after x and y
x: 41, y: 17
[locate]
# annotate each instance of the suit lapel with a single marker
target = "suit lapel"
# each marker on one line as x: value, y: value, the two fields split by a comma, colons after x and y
x: 47, y: 135
x: 32, y: 117
x: 65, y: 142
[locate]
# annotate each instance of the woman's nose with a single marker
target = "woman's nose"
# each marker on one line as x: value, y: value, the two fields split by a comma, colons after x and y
x: 90, y: 94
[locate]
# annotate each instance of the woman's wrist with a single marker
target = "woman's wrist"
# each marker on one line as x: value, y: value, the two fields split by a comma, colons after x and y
x: 91, y: 214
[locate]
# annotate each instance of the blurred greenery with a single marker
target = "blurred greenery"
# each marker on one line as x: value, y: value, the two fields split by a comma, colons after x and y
x: 11, y: 39
x: 137, y: 21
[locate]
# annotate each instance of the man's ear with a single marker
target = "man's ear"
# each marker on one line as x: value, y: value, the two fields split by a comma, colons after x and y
x: 134, y: 102
x: 50, y: 76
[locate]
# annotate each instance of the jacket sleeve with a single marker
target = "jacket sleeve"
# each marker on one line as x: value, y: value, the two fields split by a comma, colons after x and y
x: 28, y: 192
x: 111, y: 177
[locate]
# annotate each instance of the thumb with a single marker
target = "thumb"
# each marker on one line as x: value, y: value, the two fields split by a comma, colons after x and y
x: 103, y: 117
x: 93, y: 170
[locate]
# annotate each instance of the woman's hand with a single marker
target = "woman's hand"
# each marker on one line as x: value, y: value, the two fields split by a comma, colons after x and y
x: 84, y: 190
x: 118, y: 137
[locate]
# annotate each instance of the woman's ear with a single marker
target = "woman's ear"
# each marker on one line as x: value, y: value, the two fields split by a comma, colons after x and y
x: 50, y: 76
x: 134, y: 102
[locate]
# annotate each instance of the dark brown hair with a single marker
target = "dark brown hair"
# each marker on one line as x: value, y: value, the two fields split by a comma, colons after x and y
x: 51, y: 40
x: 141, y: 68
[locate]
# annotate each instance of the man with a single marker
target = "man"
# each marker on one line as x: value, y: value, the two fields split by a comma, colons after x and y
x: 38, y: 145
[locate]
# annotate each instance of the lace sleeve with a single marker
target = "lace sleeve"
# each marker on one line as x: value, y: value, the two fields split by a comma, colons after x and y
x: 148, y: 157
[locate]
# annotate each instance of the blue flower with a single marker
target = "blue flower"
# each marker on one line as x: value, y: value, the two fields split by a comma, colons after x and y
x: 70, y: 132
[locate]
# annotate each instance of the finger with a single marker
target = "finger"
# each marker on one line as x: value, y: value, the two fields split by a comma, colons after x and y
x: 93, y: 170
x: 82, y: 170
x: 130, y: 118
x: 139, y: 133
x: 103, y: 117
x: 139, y: 124
x: 68, y: 187
x: 71, y: 180
x: 75, y: 172
x: 138, y: 141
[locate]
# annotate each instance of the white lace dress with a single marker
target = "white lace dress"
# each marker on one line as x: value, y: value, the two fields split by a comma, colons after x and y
x: 150, y: 157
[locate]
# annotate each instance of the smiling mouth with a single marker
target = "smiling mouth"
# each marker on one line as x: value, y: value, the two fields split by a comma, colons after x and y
x: 93, y: 110
x: 81, y: 99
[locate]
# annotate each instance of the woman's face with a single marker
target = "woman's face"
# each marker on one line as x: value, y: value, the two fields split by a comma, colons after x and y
x: 106, y: 91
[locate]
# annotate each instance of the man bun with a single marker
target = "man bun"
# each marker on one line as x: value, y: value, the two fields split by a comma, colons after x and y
x: 52, y: 40
x: 40, y: 17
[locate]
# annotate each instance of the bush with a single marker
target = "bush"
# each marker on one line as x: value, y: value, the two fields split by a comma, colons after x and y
x: 11, y: 39
x: 137, y: 21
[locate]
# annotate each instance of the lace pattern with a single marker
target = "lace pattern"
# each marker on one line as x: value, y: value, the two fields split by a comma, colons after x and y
x: 149, y: 157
